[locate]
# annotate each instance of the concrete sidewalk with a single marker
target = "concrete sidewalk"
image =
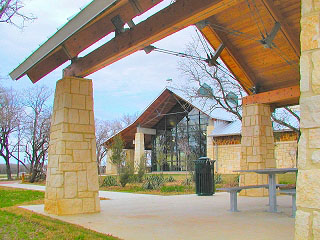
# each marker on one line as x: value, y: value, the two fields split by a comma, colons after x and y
x: 142, y: 216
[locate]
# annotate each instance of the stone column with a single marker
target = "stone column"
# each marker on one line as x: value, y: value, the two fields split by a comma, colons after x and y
x: 210, y: 144
x: 257, y: 146
x: 138, y: 149
x: 111, y: 169
x: 129, y: 155
x: 72, y: 174
x: 308, y: 184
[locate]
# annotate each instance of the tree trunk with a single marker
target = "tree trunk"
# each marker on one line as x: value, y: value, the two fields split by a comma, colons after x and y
x: 8, y: 169
x: 34, y: 172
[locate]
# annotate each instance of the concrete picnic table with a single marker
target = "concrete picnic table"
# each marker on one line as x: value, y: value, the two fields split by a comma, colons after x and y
x: 272, y: 182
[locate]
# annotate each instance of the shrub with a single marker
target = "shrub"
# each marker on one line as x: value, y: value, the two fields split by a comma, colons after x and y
x: 124, y: 178
x: 187, y: 182
x: 142, y: 169
x: 217, y: 178
x: 153, y: 182
x: 170, y: 179
x: 175, y: 188
x: 134, y: 179
x: 109, y: 181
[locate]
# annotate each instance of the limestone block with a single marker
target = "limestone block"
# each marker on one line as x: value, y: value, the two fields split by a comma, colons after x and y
x: 88, y: 205
x: 314, y: 138
x: 81, y: 155
x: 316, y: 71
x: 81, y: 128
x: 305, y: 72
x: 73, y: 116
x: 66, y: 167
x: 91, y: 116
x: 89, y: 103
x: 60, y: 116
x: 60, y: 193
x: 316, y: 156
x: 85, y: 194
x: 51, y: 193
x: 70, y: 186
x: 78, y: 101
x: 77, y: 145
x: 56, y: 180
x: 61, y: 147
x: 316, y: 5
x: 84, y: 117
x: 72, y: 137
x: 84, y: 87
x: 310, y: 110
x: 302, y: 225
x: 310, y: 36
x: 50, y: 206
x: 69, y: 206
x: 53, y: 161
x: 306, y: 6
x: 75, y: 85
x: 65, y: 158
x: 97, y: 201
x: 66, y: 100
x: 92, y: 176
x: 316, y: 225
x: 308, y: 188
x: 82, y: 181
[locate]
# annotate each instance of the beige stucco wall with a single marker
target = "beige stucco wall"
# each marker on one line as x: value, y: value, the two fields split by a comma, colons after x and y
x: 229, y: 156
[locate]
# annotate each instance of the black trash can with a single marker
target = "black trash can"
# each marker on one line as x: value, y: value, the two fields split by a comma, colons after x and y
x: 204, y: 171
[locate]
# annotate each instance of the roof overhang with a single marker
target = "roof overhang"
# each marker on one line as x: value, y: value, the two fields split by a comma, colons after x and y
x: 85, y: 16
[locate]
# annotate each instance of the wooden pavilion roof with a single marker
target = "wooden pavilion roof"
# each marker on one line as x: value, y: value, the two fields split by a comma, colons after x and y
x: 241, y: 25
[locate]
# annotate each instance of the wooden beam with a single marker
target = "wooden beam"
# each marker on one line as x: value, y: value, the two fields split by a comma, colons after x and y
x: 175, y: 17
x: 230, y: 55
x: 88, y: 35
x: 279, y: 98
x: 277, y: 16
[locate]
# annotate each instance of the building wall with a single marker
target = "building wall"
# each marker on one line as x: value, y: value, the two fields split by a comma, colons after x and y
x: 229, y: 152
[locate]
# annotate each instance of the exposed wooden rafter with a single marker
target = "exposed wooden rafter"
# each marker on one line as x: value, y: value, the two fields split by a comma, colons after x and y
x: 243, y: 74
x: 88, y: 35
x: 175, y: 17
x: 277, y: 16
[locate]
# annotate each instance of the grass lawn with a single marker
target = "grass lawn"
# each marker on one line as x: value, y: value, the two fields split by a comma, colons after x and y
x: 17, y: 223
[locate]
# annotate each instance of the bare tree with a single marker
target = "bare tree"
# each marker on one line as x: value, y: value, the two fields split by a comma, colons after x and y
x: 127, y: 119
x: 10, y: 115
x: 103, y: 129
x: 37, y: 129
x: 215, y: 81
x: 10, y: 9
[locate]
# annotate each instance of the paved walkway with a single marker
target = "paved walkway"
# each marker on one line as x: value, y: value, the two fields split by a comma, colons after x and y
x: 142, y: 216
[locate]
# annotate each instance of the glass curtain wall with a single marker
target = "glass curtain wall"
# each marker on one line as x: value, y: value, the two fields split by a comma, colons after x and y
x: 179, y: 141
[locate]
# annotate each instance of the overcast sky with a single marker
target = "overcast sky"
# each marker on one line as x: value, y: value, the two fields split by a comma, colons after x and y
x: 127, y: 86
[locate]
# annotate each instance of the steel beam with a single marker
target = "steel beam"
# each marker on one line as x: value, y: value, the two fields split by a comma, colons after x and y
x: 175, y: 17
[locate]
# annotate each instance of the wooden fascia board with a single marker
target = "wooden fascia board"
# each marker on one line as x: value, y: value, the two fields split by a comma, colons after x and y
x: 45, y: 59
x: 275, y: 97
x: 230, y: 56
x: 277, y: 16
x: 175, y: 17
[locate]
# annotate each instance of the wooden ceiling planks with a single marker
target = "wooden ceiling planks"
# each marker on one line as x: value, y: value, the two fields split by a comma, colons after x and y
x: 267, y: 69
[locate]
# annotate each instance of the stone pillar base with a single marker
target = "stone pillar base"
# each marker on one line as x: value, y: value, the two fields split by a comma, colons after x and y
x: 72, y: 175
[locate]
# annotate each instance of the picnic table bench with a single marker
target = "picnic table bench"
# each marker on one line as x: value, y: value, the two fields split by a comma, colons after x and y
x: 291, y: 192
x: 235, y: 190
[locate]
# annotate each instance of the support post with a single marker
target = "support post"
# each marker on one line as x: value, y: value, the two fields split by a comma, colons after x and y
x: 257, y: 147
x: 138, y: 149
x: 307, y: 224
x: 72, y: 175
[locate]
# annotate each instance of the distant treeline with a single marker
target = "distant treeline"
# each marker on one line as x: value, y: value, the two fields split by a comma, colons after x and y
x: 14, y: 168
